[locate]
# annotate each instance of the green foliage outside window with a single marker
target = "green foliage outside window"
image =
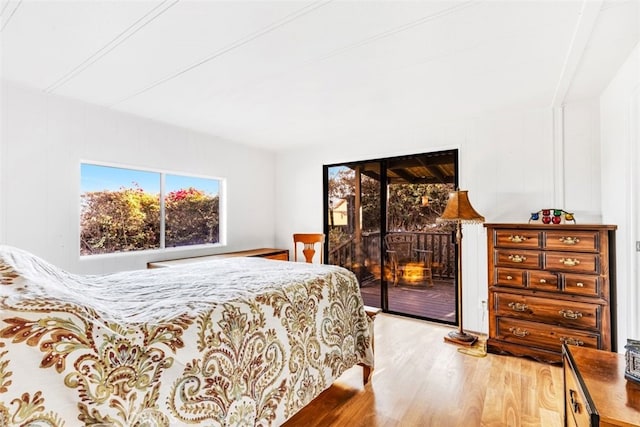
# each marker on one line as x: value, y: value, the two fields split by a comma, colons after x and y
x: 129, y: 220
x: 406, y: 210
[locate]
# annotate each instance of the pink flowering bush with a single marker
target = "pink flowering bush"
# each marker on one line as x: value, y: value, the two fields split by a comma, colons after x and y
x: 191, y: 218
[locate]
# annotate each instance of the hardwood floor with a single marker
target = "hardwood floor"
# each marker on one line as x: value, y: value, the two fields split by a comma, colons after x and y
x: 419, y: 380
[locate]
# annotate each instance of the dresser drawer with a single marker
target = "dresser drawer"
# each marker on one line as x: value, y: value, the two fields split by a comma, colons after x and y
x: 577, y: 412
x: 509, y: 277
x: 517, y: 239
x: 542, y: 335
x: 582, y: 284
x: 566, y: 313
x: 517, y: 258
x: 572, y: 262
x: 577, y: 241
x: 543, y: 280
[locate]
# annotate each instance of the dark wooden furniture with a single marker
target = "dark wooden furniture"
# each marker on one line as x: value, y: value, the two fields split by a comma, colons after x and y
x: 596, y: 392
x: 279, y: 254
x: 549, y: 285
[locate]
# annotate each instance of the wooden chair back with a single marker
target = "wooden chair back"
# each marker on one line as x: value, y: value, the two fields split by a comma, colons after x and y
x: 309, y: 240
x: 401, y: 247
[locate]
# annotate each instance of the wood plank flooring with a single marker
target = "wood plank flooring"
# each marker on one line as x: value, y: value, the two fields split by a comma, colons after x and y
x: 419, y: 380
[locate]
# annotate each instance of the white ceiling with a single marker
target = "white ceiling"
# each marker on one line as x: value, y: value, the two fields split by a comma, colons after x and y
x: 280, y: 74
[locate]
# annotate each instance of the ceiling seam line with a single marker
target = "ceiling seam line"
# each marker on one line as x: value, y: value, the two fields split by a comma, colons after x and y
x: 10, y: 16
x: 376, y: 37
x: 4, y: 7
x: 234, y: 45
x: 398, y: 29
x: 110, y: 46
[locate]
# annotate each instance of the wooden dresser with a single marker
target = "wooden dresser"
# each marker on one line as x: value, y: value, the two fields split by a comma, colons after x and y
x: 550, y: 285
x: 596, y: 392
x: 279, y: 254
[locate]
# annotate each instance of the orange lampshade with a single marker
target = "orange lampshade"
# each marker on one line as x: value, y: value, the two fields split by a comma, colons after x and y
x: 459, y: 209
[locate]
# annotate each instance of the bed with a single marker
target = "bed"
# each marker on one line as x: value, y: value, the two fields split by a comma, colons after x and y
x: 235, y: 341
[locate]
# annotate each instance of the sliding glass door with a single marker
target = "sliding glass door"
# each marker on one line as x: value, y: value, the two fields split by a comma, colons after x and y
x: 380, y: 219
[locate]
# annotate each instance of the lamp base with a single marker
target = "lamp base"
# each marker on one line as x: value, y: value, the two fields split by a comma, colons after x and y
x: 461, y: 338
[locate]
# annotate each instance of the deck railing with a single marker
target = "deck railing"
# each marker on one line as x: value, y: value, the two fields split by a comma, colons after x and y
x: 440, y: 244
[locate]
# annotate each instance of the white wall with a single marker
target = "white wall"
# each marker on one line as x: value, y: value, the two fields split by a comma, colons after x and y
x: 580, y: 167
x: 45, y: 137
x: 620, y: 137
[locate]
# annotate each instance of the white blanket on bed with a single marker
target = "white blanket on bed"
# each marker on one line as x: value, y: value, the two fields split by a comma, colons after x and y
x: 157, y: 295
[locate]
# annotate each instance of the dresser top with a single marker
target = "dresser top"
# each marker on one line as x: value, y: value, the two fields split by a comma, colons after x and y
x: 525, y: 226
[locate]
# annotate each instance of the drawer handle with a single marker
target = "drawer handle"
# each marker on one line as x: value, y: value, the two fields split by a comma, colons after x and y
x: 517, y: 239
x: 570, y: 262
x: 518, y: 306
x: 569, y: 240
x: 509, y: 277
x: 571, y: 341
x: 519, y: 332
x: 543, y: 280
x: 570, y: 314
x: 517, y: 258
x: 580, y: 285
x: 574, y: 404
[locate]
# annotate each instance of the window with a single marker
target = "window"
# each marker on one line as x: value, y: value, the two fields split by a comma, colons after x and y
x: 125, y: 210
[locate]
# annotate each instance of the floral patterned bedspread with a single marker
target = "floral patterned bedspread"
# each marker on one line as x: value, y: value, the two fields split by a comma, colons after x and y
x: 233, y: 342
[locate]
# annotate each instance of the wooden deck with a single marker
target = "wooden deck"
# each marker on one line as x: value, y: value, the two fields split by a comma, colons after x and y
x: 434, y: 303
